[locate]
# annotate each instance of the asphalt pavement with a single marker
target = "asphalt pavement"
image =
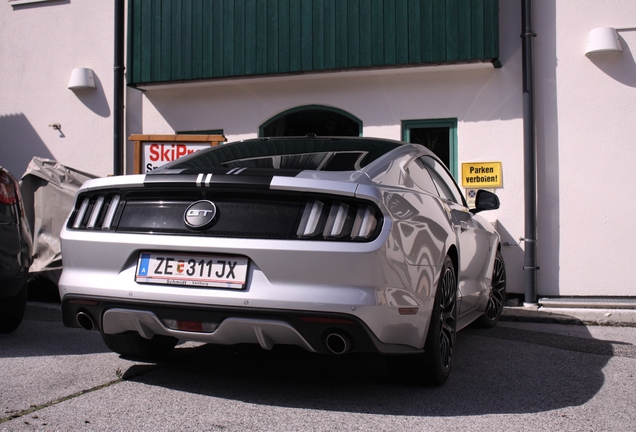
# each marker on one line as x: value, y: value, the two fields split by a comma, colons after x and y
x: 524, y: 374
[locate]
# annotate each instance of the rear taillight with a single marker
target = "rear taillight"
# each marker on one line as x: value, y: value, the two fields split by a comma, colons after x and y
x: 335, y: 220
x: 8, y: 188
x: 96, y: 212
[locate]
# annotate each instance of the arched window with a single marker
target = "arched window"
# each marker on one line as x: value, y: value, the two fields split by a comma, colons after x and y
x: 316, y: 119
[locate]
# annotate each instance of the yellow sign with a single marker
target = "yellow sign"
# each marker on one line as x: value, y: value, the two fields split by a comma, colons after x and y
x: 477, y: 175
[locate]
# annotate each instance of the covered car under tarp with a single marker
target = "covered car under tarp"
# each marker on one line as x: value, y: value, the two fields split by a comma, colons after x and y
x: 48, y: 191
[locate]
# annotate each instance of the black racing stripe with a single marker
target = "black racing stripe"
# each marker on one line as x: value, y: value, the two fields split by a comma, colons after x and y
x: 215, y: 181
x: 223, y: 177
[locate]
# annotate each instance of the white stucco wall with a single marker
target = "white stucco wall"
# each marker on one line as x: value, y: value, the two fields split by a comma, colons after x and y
x: 584, y: 120
x: 586, y: 130
x: 40, y: 44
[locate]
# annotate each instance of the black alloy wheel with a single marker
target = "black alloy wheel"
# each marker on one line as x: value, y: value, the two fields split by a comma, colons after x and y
x: 497, y: 297
x: 440, y: 342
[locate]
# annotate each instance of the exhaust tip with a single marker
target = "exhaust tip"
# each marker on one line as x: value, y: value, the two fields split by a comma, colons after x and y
x: 338, y: 343
x: 85, y: 321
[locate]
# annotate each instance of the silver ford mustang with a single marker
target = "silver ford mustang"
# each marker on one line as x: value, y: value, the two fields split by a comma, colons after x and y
x: 332, y: 244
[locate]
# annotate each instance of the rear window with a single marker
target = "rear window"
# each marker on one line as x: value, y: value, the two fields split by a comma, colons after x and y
x: 347, y: 154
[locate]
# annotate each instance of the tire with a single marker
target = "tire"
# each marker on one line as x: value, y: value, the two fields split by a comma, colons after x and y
x: 497, y: 297
x: 440, y: 340
x: 433, y: 366
x: 134, y: 346
x: 12, y: 310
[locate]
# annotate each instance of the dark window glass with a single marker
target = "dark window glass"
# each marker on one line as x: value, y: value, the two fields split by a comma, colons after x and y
x: 312, y: 121
x: 436, y: 139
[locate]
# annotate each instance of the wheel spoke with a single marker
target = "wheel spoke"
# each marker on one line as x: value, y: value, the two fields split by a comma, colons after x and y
x: 447, y: 318
x: 497, y: 293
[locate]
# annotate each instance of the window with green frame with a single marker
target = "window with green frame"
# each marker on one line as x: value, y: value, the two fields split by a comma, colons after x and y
x: 438, y: 135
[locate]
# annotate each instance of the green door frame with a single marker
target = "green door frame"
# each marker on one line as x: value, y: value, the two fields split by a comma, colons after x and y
x: 450, y: 123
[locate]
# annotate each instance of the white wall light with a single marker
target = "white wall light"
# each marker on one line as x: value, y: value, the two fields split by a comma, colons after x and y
x: 603, y: 40
x: 81, y: 78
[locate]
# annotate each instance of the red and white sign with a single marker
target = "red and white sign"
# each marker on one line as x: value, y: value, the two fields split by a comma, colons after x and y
x: 156, y: 154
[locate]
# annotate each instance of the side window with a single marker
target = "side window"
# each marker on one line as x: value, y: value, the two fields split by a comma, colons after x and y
x: 445, y: 184
x: 421, y: 177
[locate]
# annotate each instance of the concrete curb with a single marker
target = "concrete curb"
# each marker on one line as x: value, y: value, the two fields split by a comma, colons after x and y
x: 580, y: 316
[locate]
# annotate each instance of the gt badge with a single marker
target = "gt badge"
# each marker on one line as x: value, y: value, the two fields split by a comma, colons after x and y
x: 200, y: 214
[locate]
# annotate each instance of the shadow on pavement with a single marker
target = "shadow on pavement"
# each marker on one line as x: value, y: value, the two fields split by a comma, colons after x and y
x: 497, y: 371
x: 38, y: 338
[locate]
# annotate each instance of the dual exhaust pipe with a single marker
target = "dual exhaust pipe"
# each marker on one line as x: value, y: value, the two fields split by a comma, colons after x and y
x: 338, y: 342
x: 85, y: 321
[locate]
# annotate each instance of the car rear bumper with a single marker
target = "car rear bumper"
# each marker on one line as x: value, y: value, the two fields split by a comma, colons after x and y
x: 363, y: 280
x: 266, y: 327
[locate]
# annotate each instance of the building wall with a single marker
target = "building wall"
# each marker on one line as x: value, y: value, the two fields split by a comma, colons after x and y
x: 40, y: 44
x: 586, y: 131
x: 486, y: 101
x: 584, y: 125
x: 584, y: 120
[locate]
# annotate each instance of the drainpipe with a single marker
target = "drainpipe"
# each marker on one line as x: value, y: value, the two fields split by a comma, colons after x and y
x: 118, y: 97
x: 530, y: 161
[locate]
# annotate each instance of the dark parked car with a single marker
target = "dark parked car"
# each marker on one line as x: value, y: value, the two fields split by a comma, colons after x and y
x: 15, y: 253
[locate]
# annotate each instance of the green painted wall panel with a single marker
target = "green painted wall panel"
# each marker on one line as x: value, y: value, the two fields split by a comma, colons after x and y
x: 295, y: 36
x: 329, y: 34
x: 217, y: 38
x: 306, y: 36
x: 414, y: 31
x: 283, y: 38
x: 186, y: 38
x: 341, y: 34
x: 390, y: 37
x: 477, y: 27
x: 452, y: 30
x: 401, y: 32
x: 272, y: 36
x: 261, y: 37
x: 427, y: 32
x: 181, y: 40
x: 239, y: 38
x: 353, y: 34
x: 366, y: 44
x: 176, y: 64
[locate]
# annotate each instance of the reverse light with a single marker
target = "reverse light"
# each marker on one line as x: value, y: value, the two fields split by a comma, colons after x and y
x: 110, y: 214
x: 95, y: 213
x: 311, y: 219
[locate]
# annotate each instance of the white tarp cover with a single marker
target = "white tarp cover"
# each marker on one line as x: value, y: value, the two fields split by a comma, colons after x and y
x: 48, y: 191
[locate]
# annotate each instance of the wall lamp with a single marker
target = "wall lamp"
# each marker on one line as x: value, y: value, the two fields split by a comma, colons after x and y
x: 81, y: 78
x: 605, y: 40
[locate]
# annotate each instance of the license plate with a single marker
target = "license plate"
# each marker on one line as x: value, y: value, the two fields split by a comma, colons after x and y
x: 213, y: 271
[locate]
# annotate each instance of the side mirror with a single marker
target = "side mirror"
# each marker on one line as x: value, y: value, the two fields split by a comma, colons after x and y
x: 485, y: 201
